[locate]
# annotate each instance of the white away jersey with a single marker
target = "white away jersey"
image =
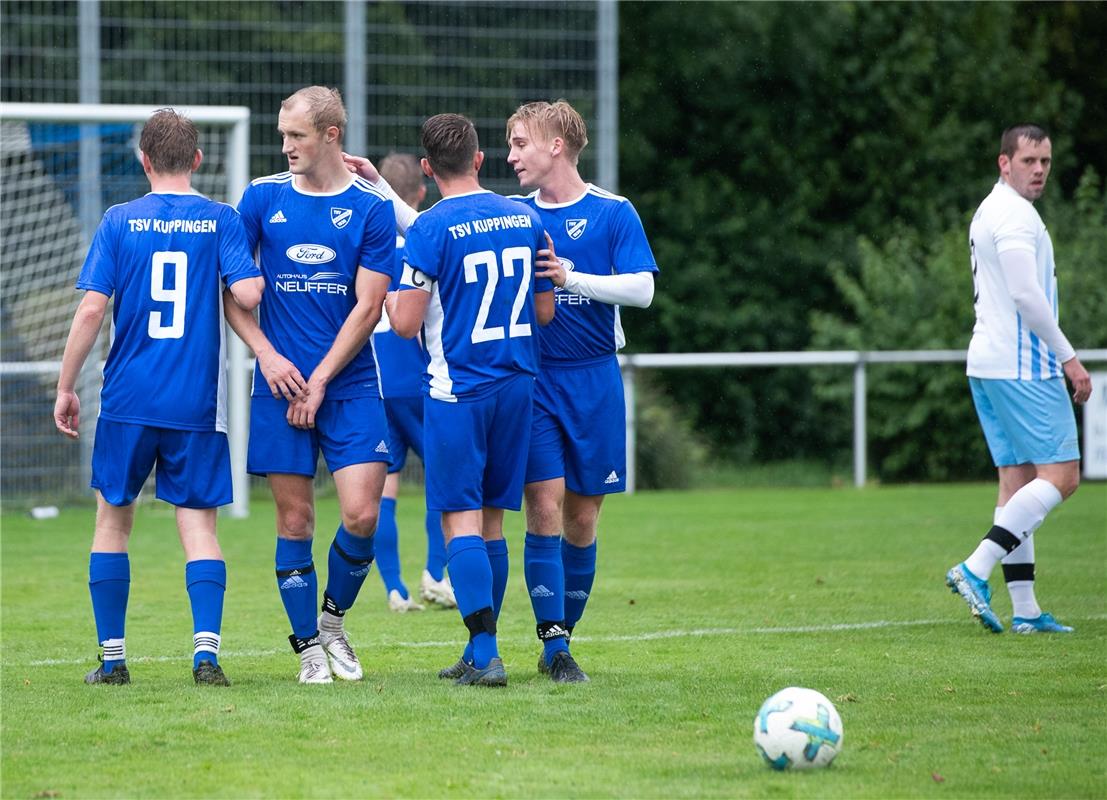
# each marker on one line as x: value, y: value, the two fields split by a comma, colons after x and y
x: 166, y: 258
x: 1002, y: 346
x: 599, y: 233
x: 475, y: 254
x: 310, y: 247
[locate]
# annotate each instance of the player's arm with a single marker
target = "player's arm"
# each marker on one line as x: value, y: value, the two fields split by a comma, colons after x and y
x: 281, y: 374
x: 247, y: 292
x: 1020, y: 271
x: 364, y: 168
x: 407, y: 307
x: 369, y: 288
x: 544, y: 307
x: 627, y: 289
x: 82, y: 336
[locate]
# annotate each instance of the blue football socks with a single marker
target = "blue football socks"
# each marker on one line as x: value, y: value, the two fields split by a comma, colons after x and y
x: 545, y: 578
x: 471, y: 575
x: 387, y: 548
x: 580, y: 571
x: 109, y: 583
x: 298, y: 585
x: 347, y: 566
x: 436, y: 545
x: 498, y: 561
x: 206, y: 582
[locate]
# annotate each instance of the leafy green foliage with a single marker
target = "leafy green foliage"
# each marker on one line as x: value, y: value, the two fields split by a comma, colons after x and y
x: 774, y: 140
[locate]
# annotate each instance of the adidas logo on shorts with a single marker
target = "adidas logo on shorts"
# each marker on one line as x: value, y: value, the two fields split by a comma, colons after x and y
x: 541, y: 591
x: 381, y: 448
x: 278, y: 217
x: 612, y: 478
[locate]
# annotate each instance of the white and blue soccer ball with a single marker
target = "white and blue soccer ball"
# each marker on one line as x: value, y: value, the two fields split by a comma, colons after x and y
x: 797, y: 729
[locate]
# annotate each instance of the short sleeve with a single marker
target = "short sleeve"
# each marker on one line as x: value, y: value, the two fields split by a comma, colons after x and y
x: 236, y: 260
x: 99, y: 270
x: 378, y: 243
x: 249, y: 209
x: 1017, y: 229
x: 630, y: 250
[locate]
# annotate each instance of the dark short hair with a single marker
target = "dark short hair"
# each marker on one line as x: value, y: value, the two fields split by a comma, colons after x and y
x: 1009, y: 142
x: 450, y: 141
x: 170, y: 141
x: 403, y: 174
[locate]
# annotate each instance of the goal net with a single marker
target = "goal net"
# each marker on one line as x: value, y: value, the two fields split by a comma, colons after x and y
x: 62, y: 165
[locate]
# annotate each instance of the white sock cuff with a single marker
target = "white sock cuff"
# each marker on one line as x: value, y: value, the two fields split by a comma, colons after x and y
x: 1023, y: 554
x: 996, y: 513
x: 206, y: 642
x: 114, y: 649
x: 1045, y: 493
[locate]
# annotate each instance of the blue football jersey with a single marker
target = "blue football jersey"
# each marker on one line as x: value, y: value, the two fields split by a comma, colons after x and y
x: 476, y: 252
x: 600, y: 234
x: 165, y: 258
x: 310, y: 247
x: 400, y: 362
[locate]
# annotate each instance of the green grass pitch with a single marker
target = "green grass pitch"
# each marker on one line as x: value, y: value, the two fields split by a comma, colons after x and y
x: 706, y: 603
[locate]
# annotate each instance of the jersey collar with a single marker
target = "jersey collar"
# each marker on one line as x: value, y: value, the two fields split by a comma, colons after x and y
x: 538, y: 201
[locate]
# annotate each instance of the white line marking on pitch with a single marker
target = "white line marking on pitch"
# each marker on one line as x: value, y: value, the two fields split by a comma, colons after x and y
x: 636, y: 637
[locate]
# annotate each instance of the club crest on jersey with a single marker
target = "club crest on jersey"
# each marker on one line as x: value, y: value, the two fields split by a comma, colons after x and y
x: 340, y: 217
x: 575, y: 227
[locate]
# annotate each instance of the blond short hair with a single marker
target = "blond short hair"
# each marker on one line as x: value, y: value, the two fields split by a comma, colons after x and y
x: 324, y: 106
x: 550, y: 120
x: 403, y: 173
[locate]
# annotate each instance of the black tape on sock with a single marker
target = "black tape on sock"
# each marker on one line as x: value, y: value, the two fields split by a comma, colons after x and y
x: 300, y: 645
x: 551, y: 630
x: 482, y: 621
x: 1018, y: 572
x: 287, y: 573
x: 1004, y: 538
x: 357, y: 562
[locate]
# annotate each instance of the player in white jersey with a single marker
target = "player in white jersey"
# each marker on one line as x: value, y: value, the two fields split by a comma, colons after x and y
x: 165, y: 258
x: 326, y: 247
x: 578, y: 442
x: 1017, y: 364
x: 469, y: 283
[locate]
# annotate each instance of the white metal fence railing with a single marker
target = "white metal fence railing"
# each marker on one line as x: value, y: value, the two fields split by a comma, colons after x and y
x: 858, y: 359
x: 631, y: 365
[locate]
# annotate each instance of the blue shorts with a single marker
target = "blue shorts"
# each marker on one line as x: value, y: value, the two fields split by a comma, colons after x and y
x: 579, y: 428
x: 1026, y: 422
x: 347, y: 431
x: 193, y: 467
x: 405, y: 428
x: 476, y: 451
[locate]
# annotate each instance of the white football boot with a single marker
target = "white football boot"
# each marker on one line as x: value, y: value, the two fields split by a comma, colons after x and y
x: 396, y: 602
x: 313, y: 666
x: 440, y: 592
x: 343, y: 659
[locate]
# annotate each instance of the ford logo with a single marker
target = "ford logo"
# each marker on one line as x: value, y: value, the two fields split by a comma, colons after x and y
x: 310, y: 253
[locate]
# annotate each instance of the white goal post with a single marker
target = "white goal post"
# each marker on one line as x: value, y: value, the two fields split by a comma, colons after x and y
x: 40, y: 199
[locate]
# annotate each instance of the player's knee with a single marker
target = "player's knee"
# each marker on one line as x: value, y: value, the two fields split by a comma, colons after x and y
x: 296, y: 523
x: 362, y: 523
x: 1069, y: 484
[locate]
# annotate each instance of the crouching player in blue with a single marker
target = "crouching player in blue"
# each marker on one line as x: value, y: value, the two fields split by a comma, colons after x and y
x: 165, y: 258
x: 578, y: 442
x: 468, y: 281
x: 401, y: 363
x: 326, y: 244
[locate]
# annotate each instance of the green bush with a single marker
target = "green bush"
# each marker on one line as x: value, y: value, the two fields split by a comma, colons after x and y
x: 668, y: 452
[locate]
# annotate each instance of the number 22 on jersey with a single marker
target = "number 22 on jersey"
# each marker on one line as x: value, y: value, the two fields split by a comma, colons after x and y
x: 506, y: 263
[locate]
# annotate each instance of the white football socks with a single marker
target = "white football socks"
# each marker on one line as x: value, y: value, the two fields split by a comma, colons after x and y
x: 1022, y: 515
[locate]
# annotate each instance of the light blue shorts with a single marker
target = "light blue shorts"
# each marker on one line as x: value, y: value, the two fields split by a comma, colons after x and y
x: 1026, y: 422
x: 193, y: 467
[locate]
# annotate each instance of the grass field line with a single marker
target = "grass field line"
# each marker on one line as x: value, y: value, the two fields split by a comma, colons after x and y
x: 632, y: 637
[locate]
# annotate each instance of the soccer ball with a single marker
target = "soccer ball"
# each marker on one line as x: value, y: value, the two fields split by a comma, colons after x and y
x: 797, y: 729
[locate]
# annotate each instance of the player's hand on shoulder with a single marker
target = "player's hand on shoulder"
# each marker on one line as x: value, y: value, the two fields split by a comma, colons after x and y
x: 549, y: 265
x: 362, y: 167
x: 1079, y: 378
x: 67, y: 414
x: 282, y: 376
